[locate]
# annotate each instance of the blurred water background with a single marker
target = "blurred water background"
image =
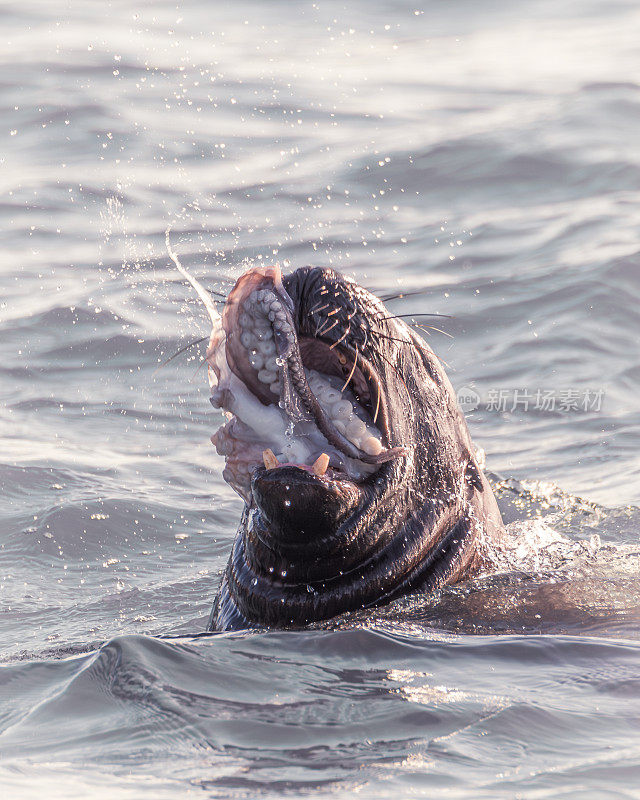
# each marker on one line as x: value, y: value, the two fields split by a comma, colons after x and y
x: 486, y: 154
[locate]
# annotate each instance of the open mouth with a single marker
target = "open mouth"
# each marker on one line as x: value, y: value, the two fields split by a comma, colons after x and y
x: 293, y: 400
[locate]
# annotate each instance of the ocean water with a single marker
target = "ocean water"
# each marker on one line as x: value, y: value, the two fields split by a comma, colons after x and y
x: 484, y: 155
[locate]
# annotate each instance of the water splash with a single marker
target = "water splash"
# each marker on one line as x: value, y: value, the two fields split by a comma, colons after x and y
x: 203, y: 294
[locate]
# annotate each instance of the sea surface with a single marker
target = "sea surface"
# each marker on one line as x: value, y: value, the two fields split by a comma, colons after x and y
x: 483, y: 159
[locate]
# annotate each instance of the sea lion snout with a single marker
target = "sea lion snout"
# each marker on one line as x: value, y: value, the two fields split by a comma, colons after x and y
x: 300, y: 507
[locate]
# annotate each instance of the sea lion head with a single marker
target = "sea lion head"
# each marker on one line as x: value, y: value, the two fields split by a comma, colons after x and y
x: 346, y: 443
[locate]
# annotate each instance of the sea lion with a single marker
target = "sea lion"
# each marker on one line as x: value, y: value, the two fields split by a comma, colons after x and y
x: 346, y: 442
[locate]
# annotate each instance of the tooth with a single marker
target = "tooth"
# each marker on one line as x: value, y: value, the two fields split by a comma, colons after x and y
x: 270, y: 461
x: 320, y: 465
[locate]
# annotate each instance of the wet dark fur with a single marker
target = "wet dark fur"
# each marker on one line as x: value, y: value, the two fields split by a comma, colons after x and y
x: 416, y: 523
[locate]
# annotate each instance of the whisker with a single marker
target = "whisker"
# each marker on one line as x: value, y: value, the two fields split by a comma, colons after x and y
x: 419, y: 314
x: 409, y: 342
x: 378, y: 332
x: 395, y: 369
x: 180, y: 351
x: 217, y: 294
x: 375, y: 416
x: 202, y: 363
x: 322, y: 330
x: 353, y: 369
x: 431, y: 327
x: 386, y: 298
x: 342, y: 338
